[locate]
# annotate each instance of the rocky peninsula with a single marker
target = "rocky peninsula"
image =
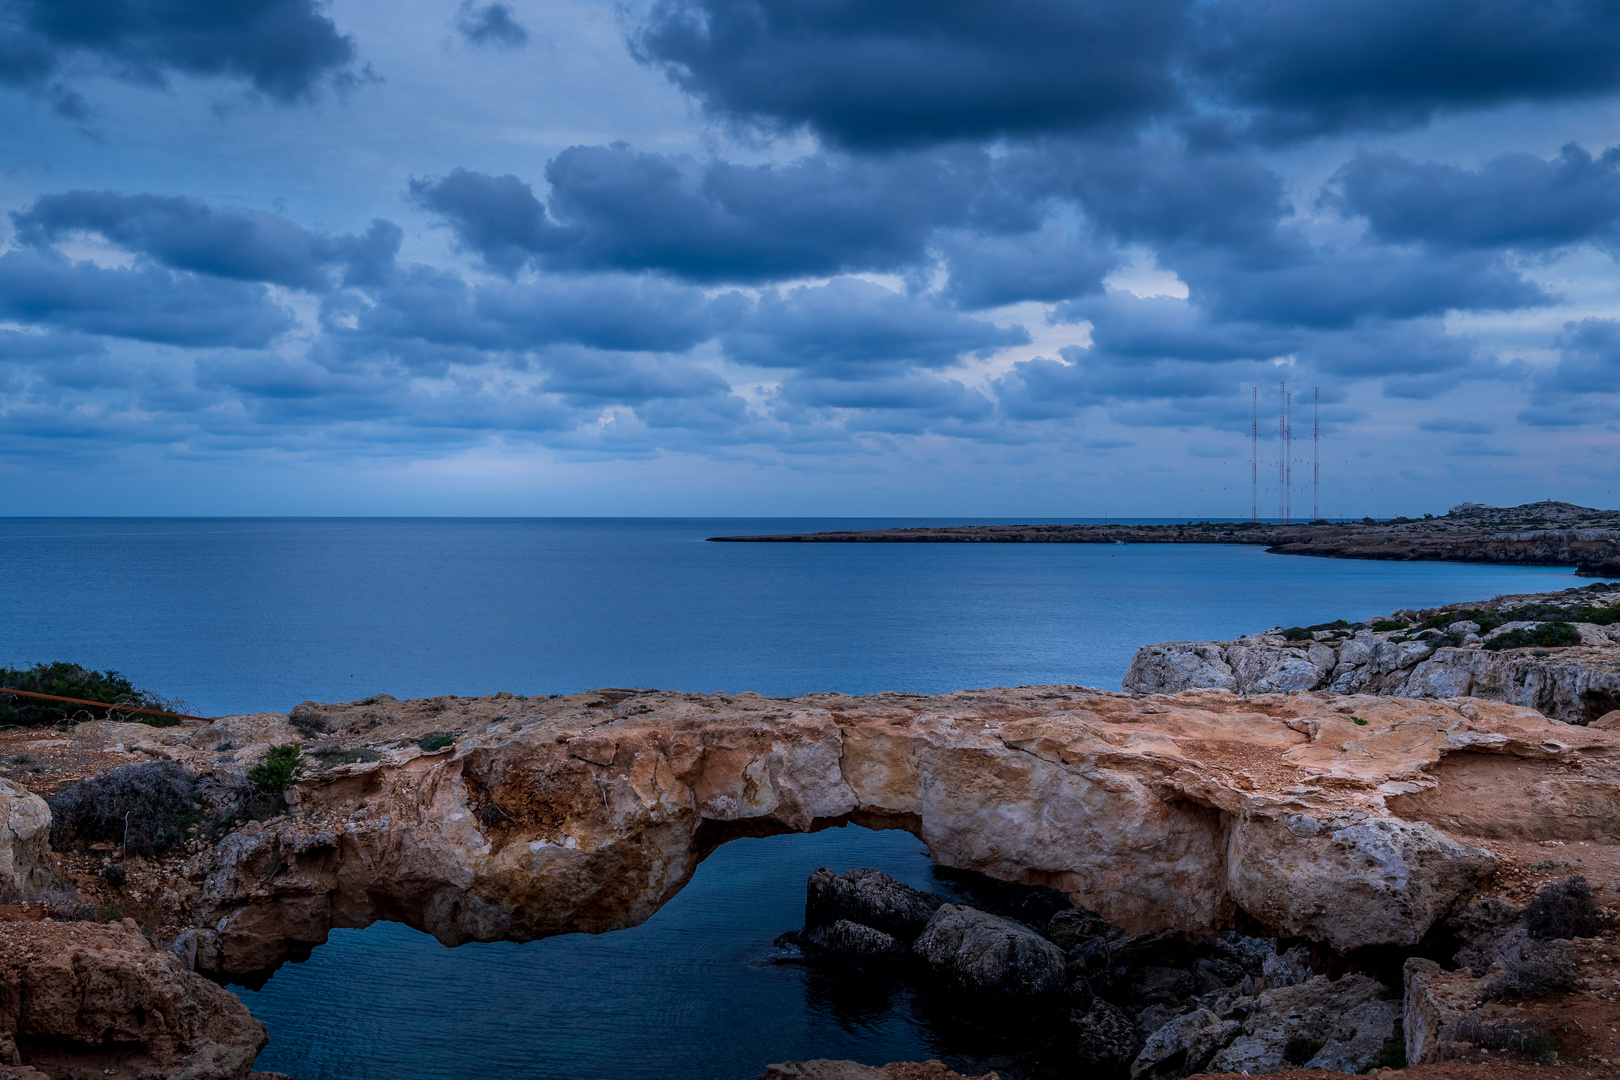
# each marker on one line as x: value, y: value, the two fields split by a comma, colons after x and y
x: 1536, y: 534
x: 1178, y: 842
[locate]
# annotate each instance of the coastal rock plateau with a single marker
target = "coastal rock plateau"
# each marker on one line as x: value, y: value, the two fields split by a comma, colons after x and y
x: 587, y: 813
x: 1434, y: 654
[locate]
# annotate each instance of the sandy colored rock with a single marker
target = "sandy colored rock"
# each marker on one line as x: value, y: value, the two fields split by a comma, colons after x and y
x: 86, y: 999
x: 25, y: 829
x: 1174, y: 812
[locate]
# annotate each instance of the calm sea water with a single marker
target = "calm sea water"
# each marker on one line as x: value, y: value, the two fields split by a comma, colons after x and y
x: 245, y: 615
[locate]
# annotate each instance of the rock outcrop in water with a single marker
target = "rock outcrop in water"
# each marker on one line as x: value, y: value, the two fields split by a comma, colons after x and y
x: 1439, y: 653
x: 588, y: 813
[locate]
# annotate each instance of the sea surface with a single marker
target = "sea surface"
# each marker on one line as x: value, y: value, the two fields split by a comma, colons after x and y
x: 243, y: 615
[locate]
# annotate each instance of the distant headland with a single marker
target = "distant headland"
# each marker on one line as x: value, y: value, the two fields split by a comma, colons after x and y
x: 1546, y: 533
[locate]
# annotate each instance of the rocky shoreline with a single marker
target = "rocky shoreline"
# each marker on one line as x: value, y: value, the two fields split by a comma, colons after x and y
x: 1349, y: 832
x: 1557, y: 653
x: 1536, y: 534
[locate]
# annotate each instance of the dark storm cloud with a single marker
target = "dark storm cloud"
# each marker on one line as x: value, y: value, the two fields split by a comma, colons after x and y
x: 490, y: 24
x: 1578, y: 388
x: 613, y: 207
x: 1045, y: 389
x: 911, y: 71
x: 185, y: 234
x: 1304, y: 67
x: 1515, y: 200
x: 282, y: 48
x: 855, y: 330
x: 147, y: 303
x: 1338, y: 287
x: 1053, y: 263
x: 615, y: 312
x: 869, y: 75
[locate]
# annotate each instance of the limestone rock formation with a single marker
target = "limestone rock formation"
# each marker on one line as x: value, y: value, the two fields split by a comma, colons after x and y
x: 81, y: 999
x: 587, y: 813
x: 1340, y: 1025
x: 1578, y: 684
x: 25, y: 828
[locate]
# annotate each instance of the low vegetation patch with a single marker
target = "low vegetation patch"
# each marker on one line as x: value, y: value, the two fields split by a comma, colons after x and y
x: 438, y: 740
x: 1564, y: 909
x: 1517, y: 1037
x: 1546, y: 972
x: 153, y: 804
x: 71, y: 680
x: 1553, y: 635
x: 280, y: 769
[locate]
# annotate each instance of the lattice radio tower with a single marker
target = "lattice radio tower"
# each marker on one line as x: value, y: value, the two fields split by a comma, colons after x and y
x: 1254, y: 458
x: 1316, y: 455
x: 1282, y: 458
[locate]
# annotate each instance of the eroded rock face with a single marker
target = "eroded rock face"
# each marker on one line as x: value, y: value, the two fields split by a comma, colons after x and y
x: 25, y: 829
x: 588, y: 813
x: 1339, y: 1025
x: 82, y: 999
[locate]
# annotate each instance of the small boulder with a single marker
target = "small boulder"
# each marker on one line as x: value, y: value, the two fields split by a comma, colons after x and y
x: 851, y: 940
x: 1183, y: 1046
x: 976, y: 952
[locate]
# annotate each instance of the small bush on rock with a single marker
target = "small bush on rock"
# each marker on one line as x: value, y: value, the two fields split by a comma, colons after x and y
x: 280, y: 768
x: 153, y: 803
x: 1566, y: 909
x: 436, y: 741
x: 1553, y: 635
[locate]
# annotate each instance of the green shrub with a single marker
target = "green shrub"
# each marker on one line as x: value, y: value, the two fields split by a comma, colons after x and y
x: 71, y: 680
x: 1295, y: 633
x: 1550, y: 635
x: 1518, y: 1036
x: 1383, y: 625
x: 438, y: 740
x: 280, y: 768
x: 153, y: 803
x: 1359, y: 721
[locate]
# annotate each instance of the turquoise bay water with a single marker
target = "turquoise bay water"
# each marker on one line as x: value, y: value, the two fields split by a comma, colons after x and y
x: 242, y: 615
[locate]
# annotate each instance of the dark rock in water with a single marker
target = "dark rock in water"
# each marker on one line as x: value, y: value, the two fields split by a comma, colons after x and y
x: 1076, y: 926
x: 976, y: 952
x: 851, y: 940
x: 871, y: 898
x: 1183, y: 1046
x: 1032, y: 904
x: 1104, y: 1037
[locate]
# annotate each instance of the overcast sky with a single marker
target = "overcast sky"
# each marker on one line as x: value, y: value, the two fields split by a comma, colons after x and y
x: 892, y: 257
